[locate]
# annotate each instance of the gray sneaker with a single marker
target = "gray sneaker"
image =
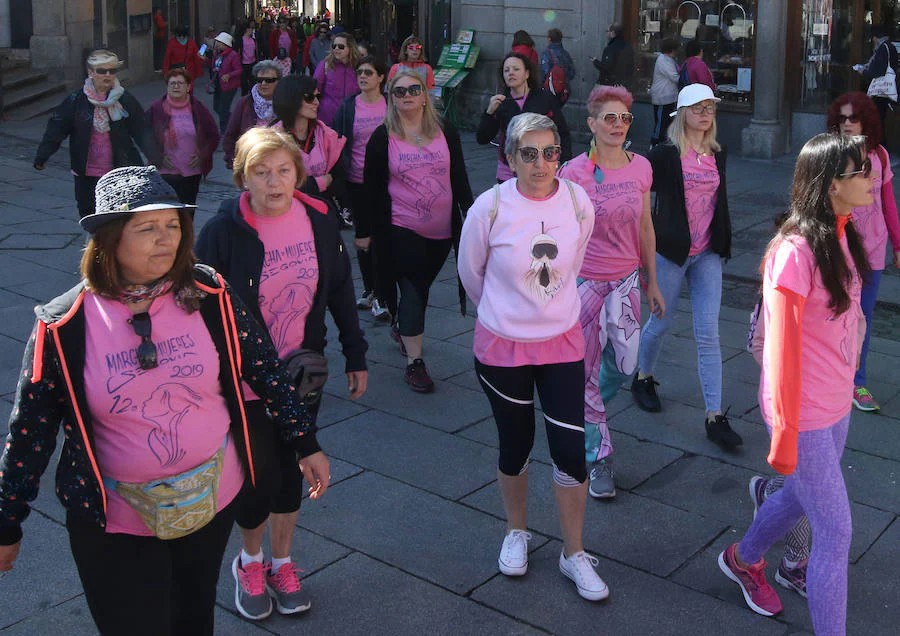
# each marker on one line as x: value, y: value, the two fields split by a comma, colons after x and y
x: 286, y: 590
x: 250, y: 595
x: 603, y: 485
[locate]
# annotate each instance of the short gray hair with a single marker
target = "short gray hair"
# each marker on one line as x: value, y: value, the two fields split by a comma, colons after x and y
x: 525, y: 123
x: 102, y: 56
x: 266, y: 65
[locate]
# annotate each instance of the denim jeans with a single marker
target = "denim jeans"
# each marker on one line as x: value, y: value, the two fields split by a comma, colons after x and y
x: 704, y: 277
x: 867, y: 301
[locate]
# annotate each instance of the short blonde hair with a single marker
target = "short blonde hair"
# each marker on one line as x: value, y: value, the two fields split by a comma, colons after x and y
x: 102, y: 56
x: 258, y: 143
x: 677, y: 136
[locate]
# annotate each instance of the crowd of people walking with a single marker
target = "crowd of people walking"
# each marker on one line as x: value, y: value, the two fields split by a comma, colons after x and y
x: 555, y: 258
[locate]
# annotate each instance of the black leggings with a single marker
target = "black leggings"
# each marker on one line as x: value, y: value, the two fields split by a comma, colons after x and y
x: 185, y: 187
x: 510, y: 390
x: 279, y: 482
x: 359, y: 200
x: 416, y: 262
x: 84, y: 194
x: 144, y: 585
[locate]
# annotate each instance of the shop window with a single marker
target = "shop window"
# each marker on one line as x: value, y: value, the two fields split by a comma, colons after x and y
x: 725, y: 29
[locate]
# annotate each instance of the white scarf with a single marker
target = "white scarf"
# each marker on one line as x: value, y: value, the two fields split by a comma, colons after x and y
x: 262, y: 106
x: 105, y: 109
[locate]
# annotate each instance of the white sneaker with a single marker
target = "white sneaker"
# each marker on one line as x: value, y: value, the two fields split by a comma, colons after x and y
x: 580, y: 568
x: 365, y: 301
x: 513, y: 559
x: 381, y: 312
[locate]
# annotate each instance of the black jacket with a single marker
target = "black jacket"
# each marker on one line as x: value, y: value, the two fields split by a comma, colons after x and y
x: 542, y: 102
x: 343, y: 125
x: 670, y: 221
x: 376, y: 176
x: 616, y: 65
x: 51, y: 392
x: 228, y: 243
x: 883, y: 55
x: 74, y: 118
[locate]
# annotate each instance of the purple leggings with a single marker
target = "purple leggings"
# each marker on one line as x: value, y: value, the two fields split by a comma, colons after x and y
x: 816, y: 489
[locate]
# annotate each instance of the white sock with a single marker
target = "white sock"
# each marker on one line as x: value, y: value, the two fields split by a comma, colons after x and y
x: 247, y: 559
x: 790, y: 565
x: 277, y: 563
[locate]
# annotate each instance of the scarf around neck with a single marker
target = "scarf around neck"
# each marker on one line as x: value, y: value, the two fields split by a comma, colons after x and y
x: 107, y: 108
x: 262, y: 106
x: 187, y: 298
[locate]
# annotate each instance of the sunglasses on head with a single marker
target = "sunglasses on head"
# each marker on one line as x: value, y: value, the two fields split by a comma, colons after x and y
x: 106, y: 71
x: 365, y: 71
x: 529, y: 154
x: 309, y: 98
x: 340, y: 47
x: 265, y: 80
x: 146, y: 351
x: 853, y: 119
x: 400, y: 91
x: 610, y: 118
x: 865, y: 171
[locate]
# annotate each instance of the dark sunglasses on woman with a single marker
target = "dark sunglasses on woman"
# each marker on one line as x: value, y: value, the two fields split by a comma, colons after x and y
x: 365, y: 71
x: 400, y: 91
x: 339, y: 46
x: 309, y: 98
x: 146, y: 351
x: 529, y: 154
x: 865, y: 170
x: 265, y: 80
x: 106, y: 71
x: 853, y: 119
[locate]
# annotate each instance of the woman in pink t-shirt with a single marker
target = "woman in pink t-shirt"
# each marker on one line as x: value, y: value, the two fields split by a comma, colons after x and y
x: 856, y: 114
x: 141, y: 364
x: 245, y: 45
x: 618, y: 183
x: 813, y: 272
x: 693, y: 235
x: 415, y: 176
x: 521, y: 249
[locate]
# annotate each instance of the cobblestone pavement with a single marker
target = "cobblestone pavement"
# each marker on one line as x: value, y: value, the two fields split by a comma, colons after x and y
x: 406, y: 540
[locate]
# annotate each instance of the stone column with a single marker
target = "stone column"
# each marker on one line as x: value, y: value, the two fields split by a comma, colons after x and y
x: 767, y: 135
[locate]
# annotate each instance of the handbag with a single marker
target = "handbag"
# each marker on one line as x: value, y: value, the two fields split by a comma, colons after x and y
x: 886, y: 85
x: 310, y: 372
x: 176, y: 506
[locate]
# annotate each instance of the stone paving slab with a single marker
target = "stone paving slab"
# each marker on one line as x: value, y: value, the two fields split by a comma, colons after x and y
x: 16, y: 320
x: 422, y: 457
x: 10, y: 350
x: 335, y: 409
x: 432, y: 538
x: 872, y: 480
x: 639, y: 603
x: 875, y: 434
x: 633, y: 530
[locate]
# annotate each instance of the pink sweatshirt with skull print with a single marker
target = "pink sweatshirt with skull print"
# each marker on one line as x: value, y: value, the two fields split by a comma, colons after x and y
x: 520, y: 264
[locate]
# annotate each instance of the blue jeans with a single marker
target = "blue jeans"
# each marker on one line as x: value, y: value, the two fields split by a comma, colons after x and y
x: 867, y: 301
x: 704, y: 277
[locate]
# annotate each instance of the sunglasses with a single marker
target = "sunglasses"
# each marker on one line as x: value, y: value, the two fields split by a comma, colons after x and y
x: 106, y: 71
x: 340, y: 47
x: 309, y: 98
x: 865, y: 171
x: 365, y: 71
x: 610, y: 118
x: 414, y: 47
x: 529, y: 154
x: 265, y: 80
x: 400, y: 91
x: 853, y: 119
x: 699, y: 109
x: 146, y: 350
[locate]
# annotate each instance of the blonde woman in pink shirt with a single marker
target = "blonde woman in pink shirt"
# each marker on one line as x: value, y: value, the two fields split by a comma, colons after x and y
x: 618, y: 183
x: 521, y: 249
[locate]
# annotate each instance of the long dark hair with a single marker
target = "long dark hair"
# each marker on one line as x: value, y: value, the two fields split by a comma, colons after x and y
x: 822, y: 159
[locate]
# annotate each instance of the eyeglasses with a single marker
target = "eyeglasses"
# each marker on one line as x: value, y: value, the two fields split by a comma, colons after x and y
x: 340, y: 47
x: 529, y: 154
x: 365, y: 71
x: 177, y: 84
x: 853, y: 119
x: 400, y: 91
x: 309, y: 98
x: 610, y: 118
x: 699, y: 109
x: 146, y: 351
x: 413, y: 47
x: 865, y: 171
x: 106, y: 71
x: 265, y: 80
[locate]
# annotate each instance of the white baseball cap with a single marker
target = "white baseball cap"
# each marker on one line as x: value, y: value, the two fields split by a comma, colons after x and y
x: 225, y: 39
x: 694, y: 94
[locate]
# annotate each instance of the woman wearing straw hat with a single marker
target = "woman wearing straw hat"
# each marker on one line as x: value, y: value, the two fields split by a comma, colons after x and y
x: 141, y: 363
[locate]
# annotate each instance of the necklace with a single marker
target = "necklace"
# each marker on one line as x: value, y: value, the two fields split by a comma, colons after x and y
x: 699, y: 154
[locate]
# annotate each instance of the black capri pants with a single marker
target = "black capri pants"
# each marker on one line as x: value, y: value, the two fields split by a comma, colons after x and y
x: 415, y: 262
x: 510, y: 390
x: 279, y: 482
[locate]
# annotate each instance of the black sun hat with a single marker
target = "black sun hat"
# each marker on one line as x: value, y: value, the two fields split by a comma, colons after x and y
x: 124, y: 191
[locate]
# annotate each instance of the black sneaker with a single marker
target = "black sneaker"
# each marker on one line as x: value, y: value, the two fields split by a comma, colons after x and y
x: 719, y: 431
x: 417, y: 377
x: 644, y: 393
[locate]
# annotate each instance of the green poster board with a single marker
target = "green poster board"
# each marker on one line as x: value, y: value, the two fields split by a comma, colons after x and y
x: 459, y: 56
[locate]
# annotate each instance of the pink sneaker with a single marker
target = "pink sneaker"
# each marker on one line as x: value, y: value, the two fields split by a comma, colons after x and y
x: 760, y: 596
x: 863, y: 400
x: 287, y: 591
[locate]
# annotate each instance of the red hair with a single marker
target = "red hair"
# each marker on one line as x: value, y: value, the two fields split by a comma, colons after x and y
x: 603, y: 94
x: 864, y: 108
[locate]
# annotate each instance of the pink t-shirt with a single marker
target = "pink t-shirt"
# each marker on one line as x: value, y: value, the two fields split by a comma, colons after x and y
x: 160, y: 422
x: 614, y: 250
x: 368, y: 118
x: 100, y: 155
x: 829, y: 342
x: 284, y: 41
x: 419, y: 186
x: 495, y: 351
x: 869, y: 220
x: 248, y: 54
x: 316, y: 161
x: 186, y: 143
x: 701, y: 184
